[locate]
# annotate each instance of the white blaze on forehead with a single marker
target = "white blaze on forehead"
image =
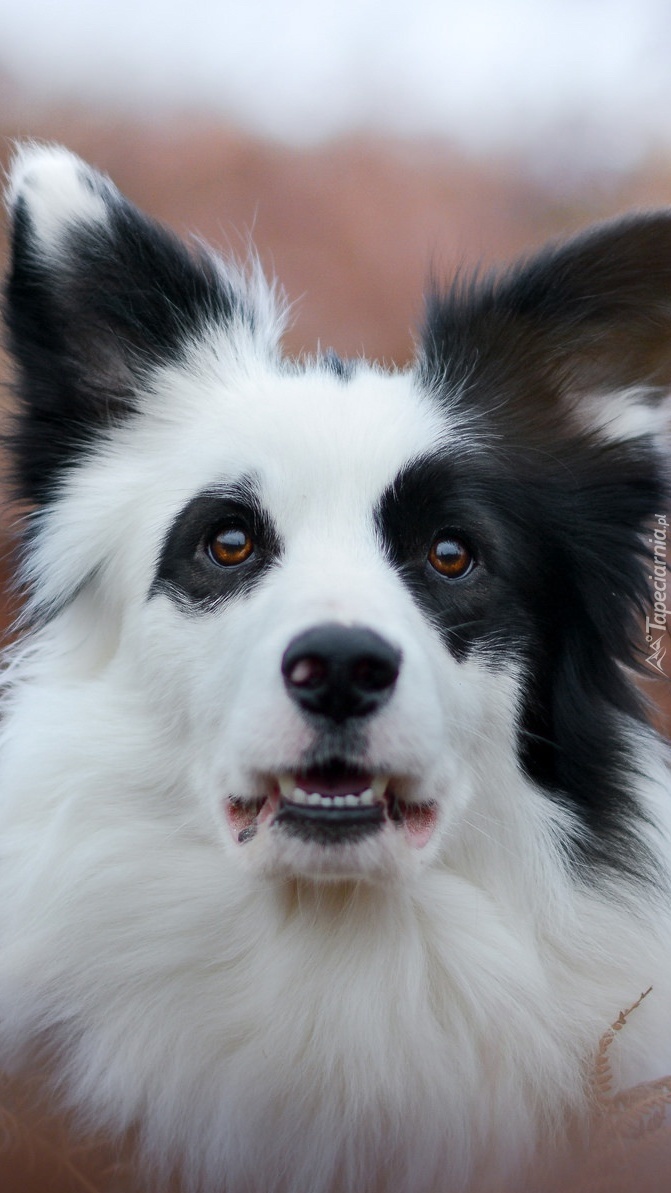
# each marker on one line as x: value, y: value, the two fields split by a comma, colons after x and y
x: 59, y: 190
x: 304, y: 436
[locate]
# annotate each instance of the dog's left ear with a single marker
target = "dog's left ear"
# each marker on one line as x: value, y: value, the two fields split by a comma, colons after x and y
x: 579, y: 332
x: 99, y: 296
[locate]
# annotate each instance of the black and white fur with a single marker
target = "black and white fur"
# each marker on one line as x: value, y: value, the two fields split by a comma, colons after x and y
x: 403, y: 991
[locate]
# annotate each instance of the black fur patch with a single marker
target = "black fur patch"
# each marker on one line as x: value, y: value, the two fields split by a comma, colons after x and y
x: 585, y: 317
x: 87, y: 327
x: 187, y: 574
x: 558, y: 517
x: 561, y: 573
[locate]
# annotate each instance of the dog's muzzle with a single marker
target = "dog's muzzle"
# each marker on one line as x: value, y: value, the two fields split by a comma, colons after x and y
x: 337, y: 676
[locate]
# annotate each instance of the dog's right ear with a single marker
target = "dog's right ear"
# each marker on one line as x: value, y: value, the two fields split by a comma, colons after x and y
x: 99, y: 296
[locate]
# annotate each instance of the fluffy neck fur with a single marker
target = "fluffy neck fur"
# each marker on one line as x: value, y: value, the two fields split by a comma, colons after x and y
x: 264, y: 1005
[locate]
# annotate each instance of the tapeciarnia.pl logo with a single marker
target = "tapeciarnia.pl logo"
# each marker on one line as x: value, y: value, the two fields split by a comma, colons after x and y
x: 655, y: 626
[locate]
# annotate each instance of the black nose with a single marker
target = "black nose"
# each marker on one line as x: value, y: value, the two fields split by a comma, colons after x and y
x: 340, y: 671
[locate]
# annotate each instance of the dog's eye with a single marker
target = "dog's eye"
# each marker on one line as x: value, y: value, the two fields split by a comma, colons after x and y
x: 230, y: 545
x: 450, y: 557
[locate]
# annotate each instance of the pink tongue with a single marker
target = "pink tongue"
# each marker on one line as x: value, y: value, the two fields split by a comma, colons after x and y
x: 345, y: 783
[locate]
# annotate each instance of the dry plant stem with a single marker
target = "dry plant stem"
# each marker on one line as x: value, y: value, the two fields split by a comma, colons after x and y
x: 603, y: 1073
x: 639, y: 1110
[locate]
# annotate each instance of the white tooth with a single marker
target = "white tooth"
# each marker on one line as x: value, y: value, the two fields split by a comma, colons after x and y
x: 299, y: 796
x: 367, y: 796
x: 379, y: 786
x: 339, y: 801
x: 326, y: 801
x: 351, y: 801
x: 286, y: 785
x: 315, y: 798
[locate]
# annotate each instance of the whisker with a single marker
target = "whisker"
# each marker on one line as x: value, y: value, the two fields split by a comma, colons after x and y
x: 515, y: 853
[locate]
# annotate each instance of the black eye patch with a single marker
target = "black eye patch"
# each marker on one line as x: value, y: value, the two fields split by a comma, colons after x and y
x: 192, y: 572
x: 446, y: 528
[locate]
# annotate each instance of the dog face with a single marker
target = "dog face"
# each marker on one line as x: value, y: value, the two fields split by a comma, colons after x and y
x: 357, y: 609
x: 263, y: 604
x: 284, y: 585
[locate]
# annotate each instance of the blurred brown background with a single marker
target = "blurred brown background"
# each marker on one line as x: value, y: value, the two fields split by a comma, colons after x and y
x: 352, y: 229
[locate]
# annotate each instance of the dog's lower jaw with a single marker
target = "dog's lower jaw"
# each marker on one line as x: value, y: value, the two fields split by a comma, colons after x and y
x: 378, y: 858
x: 341, y: 823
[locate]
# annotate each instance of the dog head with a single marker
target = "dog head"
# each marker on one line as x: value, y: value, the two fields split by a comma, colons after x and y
x: 351, y: 610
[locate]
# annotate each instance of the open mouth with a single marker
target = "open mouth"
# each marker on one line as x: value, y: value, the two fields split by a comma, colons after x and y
x: 331, y: 805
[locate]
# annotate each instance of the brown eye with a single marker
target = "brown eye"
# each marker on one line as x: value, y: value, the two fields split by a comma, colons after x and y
x: 450, y: 557
x: 230, y: 545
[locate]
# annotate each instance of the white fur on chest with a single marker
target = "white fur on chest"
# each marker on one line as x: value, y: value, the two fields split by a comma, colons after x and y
x: 330, y: 1032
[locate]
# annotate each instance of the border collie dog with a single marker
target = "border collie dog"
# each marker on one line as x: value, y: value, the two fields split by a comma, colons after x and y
x: 333, y: 830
